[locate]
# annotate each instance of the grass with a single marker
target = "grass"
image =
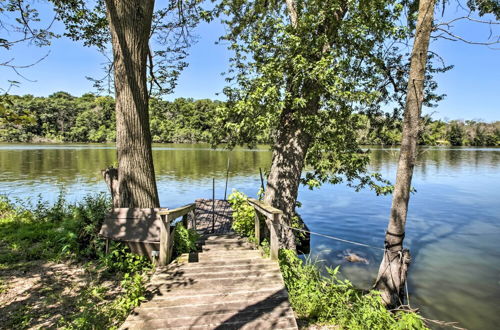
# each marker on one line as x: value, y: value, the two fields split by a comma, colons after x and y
x: 327, y: 300
x: 324, y: 300
x: 72, y: 283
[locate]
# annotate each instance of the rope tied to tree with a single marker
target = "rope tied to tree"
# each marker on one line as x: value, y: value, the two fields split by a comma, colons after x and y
x: 388, y: 245
x: 334, y: 238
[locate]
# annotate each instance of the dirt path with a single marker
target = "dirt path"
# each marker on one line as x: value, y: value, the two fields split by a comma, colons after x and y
x: 40, y: 294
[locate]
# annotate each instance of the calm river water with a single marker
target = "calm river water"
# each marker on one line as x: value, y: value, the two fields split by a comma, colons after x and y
x: 453, y: 226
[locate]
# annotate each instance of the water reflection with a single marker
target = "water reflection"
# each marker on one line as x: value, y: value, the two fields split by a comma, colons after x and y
x: 453, y: 222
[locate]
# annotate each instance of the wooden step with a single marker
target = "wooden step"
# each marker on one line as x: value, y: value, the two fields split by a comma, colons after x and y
x: 186, y: 288
x: 227, y: 285
x: 219, y: 237
x: 188, y: 300
x: 212, y: 284
x: 227, y: 247
x: 225, y: 255
x: 232, y: 262
x: 264, y: 306
x: 232, y: 319
x: 287, y: 323
x: 210, y: 274
x: 197, y: 268
x: 234, y: 241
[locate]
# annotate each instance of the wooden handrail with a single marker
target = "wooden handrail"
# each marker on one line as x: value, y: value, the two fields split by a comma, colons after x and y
x: 178, y: 212
x: 273, y: 216
x: 264, y: 208
x: 165, y: 236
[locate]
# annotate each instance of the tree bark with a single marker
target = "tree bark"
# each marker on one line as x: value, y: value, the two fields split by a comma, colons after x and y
x: 130, y: 26
x: 289, y: 152
x: 393, y: 269
x: 110, y: 176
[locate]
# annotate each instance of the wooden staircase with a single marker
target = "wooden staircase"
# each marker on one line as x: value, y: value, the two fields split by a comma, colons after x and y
x: 229, y: 286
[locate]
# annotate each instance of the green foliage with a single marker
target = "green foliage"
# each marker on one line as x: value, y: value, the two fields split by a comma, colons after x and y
x: 52, y: 232
x: 90, y: 118
x: 88, y: 217
x: 311, y: 69
x: 63, y: 231
x: 456, y: 135
x: 327, y: 299
x: 120, y: 259
x: 387, y: 131
x: 184, y: 239
x: 97, y: 311
x: 243, y: 214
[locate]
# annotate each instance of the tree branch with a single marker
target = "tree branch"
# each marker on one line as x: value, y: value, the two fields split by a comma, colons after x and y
x: 453, y: 37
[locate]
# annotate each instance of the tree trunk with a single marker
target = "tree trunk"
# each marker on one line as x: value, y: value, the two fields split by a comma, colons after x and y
x: 392, y: 272
x: 289, y: 152
x: 110, y: 176
x: 130, y: 26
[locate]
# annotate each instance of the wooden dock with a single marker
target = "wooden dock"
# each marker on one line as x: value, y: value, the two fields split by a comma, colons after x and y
x: 227, y: 285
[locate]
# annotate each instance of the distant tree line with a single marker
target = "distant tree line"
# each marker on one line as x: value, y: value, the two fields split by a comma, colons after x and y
x: 387, y: 131
x: 62, y: 117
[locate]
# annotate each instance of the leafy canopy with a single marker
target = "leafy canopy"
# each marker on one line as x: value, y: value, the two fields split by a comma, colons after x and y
x: 324, y: 67
x: 171, y: 35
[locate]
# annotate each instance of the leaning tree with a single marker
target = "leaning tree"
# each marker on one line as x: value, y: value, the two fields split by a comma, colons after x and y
x: 302, y: 70
x: 391, y: 278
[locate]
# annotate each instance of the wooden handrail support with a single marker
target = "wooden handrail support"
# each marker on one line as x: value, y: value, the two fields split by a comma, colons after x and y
x: 272, y: 216
x: 167, y: 216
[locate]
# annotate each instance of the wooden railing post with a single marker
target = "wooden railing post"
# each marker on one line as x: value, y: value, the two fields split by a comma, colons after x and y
x: 273, y: 218
x: 257, y: 229
x: 164, y: 240
x: 193, y: 219
x: 274, y: 239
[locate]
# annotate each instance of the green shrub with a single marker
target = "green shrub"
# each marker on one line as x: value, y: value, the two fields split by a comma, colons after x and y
x: 88, y: 217
x: 243, y: 214
x: 184, y: 239
x: 70, y: 231
x: 329, y: 300
x: 95, y: 310
x: 120, y: 260
x: 52, y: 232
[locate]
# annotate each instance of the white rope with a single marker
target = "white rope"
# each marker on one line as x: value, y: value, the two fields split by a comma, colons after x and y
x: 335, y: 238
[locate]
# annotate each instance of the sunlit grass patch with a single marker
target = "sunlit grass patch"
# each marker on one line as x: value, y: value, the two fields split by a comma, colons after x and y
x: 53, y: 269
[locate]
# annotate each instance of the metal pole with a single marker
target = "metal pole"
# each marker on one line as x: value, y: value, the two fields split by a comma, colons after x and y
x: 213, y: 205
x: 261, y: 179
x: 227, y: 177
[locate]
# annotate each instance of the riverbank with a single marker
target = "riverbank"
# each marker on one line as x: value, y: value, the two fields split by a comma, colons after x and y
x: 62, y: 117
x: 454, y: 215
x: 53, y: 270
x: 54, y: 274
x: 320, y: 297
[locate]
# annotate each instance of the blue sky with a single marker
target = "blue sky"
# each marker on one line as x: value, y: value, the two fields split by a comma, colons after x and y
x: 472, y: 87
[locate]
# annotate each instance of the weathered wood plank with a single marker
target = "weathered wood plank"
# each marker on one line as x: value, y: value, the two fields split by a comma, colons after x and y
x: 264, y: 208
x: 257, y: 230
x: 211, y: 294
x: 273, y: 218
x: 204, y: 215
x: 178, y: 212
x: 165, y: 239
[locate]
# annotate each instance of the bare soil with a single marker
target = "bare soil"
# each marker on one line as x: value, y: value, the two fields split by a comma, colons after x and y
x: 39, y: 294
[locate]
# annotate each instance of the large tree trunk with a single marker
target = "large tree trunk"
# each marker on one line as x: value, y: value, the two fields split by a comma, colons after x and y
x: 392, y: 273
x: 130, y: 26
x: 289, y: 152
